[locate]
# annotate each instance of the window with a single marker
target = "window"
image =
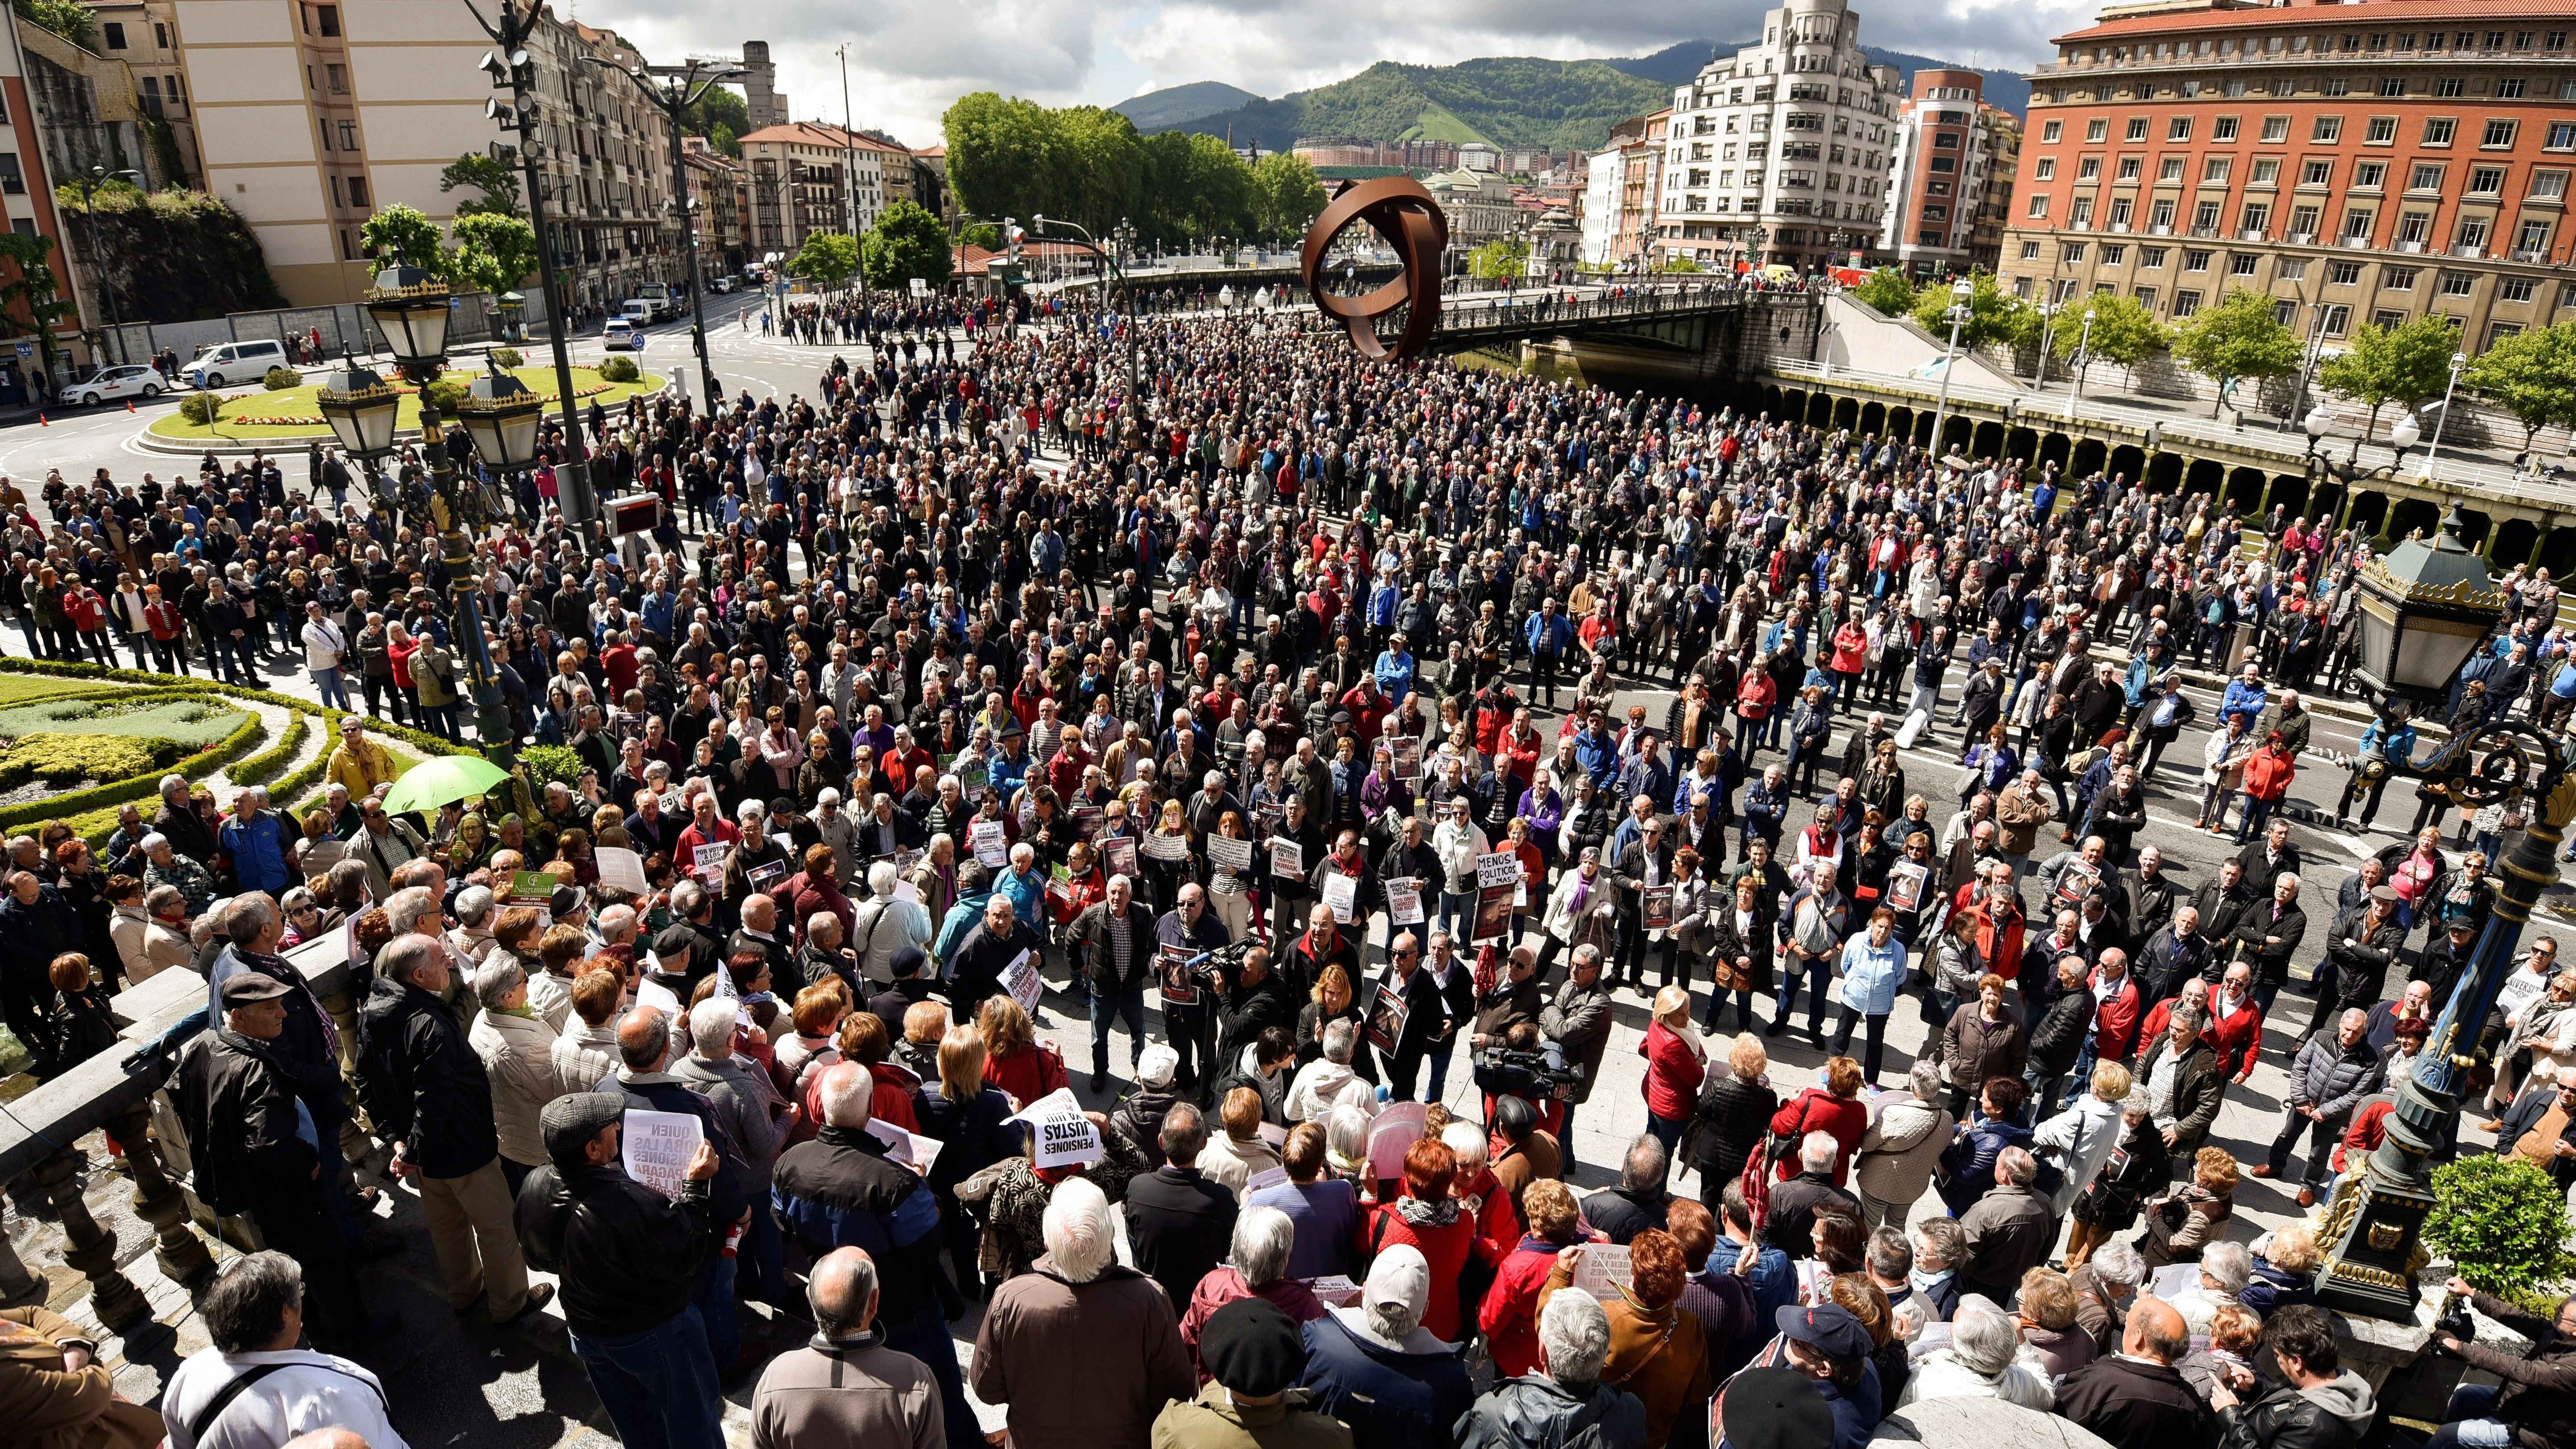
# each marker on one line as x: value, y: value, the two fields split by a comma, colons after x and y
x: 326, y: 135
x: 2562, y: 136
x: 2045, y: 170
x: 2338, y: 86
x: 2486, y: 180
x: 2224, y: 128
x: 2112, y: 256
x: 2294, y: 269
x: 328, y: 17
x: 2097, y: 129
x: 357, y: 191
x: 2267, y: 171
x: 2338, y: 319
x: 2459, y: 284
x: 2178, y: 129
x: 2548, y: 185
x: 2169, y: 170
x: 2343, y: 274
x: 2413, y: 227
x: 2151, y: 259
x: 2447, y: 86
x: 2327, y: 130
x: 2120, y: 211
x: 2186, y: 303
x: 2392, y: 85
x: 2050, y: 132
x: 348, y: 133
x: 2285, y: 312
x: 2397, y: 279
x: 115, y: 33
x: 2356, y: 226
x: 2426, y: 178
x: 2196, y: 260
x: 336, y: 78
x: 2316, y: 173
x: 2303, y: 222
x: 2129, y: 167
x: 2030, y: 251
x: 2382, y: 132
x: 2276, y: 128
x: 2439, y: 130
x: 2039, y: 208
x: 2137, y: 129
x: 2089, y: 169
x: 2386, y: 320
x: 12, y: 180
x: 2472, y: 236
x: 2162, y: 216
x: 2070, y: 251
x: 2369, y: 175
x: 2204, y: 218
x: 2242, y: 264
x: 2213, y: 172
x: 2510, y: 89
x: 335, y: 192
x: 2079, y: 213
x: 2498, y: 135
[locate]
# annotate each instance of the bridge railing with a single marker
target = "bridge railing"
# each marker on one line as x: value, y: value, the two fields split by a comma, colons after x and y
x: 2036, y: 409
x: 1512, y: 313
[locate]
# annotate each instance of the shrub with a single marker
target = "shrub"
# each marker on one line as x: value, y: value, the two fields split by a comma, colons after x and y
x: 2502, y: 1220
x: 66, y: 760
x: 547, y: 763
x: 506, y: 356
x: 445, y: 393
x: 281, y: 378
x: 201, y: 408
x: 253, y: 769
x: 620, y: 369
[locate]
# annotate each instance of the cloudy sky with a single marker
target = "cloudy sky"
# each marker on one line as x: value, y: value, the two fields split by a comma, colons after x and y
x: 908, y: 61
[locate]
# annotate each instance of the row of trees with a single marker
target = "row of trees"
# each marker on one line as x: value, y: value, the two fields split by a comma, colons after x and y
x: 493, y: 252
x: 907, y: 241
x: 1010, y: 157
x: 2530, y: 375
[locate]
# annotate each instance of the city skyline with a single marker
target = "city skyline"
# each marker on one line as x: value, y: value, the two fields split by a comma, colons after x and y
x: 906, y: 70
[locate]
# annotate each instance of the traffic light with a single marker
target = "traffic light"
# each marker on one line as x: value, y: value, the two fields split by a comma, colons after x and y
x: 1011, y: 238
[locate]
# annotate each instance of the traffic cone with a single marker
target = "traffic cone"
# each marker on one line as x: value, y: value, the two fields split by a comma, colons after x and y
x: 40, y: 421
x: 129, y: 405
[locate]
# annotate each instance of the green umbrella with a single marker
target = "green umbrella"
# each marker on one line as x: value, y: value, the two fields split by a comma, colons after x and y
x: 435, y: 782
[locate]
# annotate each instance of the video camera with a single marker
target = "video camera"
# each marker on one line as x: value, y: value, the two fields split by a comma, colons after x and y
x: 1504, y: 1072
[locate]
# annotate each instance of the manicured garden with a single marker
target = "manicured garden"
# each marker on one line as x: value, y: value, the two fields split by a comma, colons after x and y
x: 293, y: 412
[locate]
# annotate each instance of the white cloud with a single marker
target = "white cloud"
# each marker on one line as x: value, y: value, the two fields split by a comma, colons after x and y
x: 907, y: 63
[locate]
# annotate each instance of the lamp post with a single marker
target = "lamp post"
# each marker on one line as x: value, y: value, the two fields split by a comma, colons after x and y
x: 1963, y: 294
x: 514, y: 70
x: 2083, y: 359
x: 2401, y: 435
x: 684, y: 86
x: 2422, y: 609
x: 90, y: 185
x: 2459, y: 363
x: 501, y: 416
x: 2047, y: 338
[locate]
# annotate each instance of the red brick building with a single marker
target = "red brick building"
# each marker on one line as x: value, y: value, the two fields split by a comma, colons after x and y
x: 2355, y: 162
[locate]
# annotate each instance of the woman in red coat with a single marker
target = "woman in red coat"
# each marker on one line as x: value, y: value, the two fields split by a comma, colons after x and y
x: 1430, y: 1220
x: 1014, y: 1059
x: 1509, y: 1314
x: 1676, y: 1063
x: 1834, y: 1107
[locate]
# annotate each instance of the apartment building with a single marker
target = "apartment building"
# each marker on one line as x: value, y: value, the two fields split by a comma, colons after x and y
x: 1620, y: 190
x: 1780, y: 152
x: 808, y: 177
x: 2003, y: 170
x: 605, y: 165
x: 1945, y: 161
x: 143, y: 35
x: 721, y: 188
x: 27, y: 208
x: 2363, y: 162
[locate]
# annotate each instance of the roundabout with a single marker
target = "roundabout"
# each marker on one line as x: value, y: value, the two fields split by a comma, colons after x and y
x: 292, y: 414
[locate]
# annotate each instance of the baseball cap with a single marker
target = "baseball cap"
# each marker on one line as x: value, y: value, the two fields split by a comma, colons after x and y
x: 1829, y: 1329
x: 251, y: 986
x: 1154, y: 1068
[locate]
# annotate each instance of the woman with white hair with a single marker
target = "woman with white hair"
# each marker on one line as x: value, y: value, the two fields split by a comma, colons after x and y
x: 517, y: 1048
x: 884, y: 924
x: 1257, y: 1267
x: 1087, y: 1351
x: 2105, y: 1287
x: 2225, y: 1269
x: 1978, y: 1362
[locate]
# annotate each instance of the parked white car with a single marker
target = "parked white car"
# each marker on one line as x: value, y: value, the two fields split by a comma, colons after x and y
x: 120, y: 382
x: 620, y: 335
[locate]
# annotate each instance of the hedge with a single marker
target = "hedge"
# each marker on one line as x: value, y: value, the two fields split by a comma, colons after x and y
x: 134, y: 787
x: 255, y: 768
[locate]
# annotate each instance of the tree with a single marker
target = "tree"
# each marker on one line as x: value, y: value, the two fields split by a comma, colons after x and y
x: 1287, y: 194
x: 1994, y: 315
x: 2403, y: 364
x: 2239, y: 338
x: 67, y: 18
x: 828, y: 259
x: 30, y: 301
x: 981, y: 234
x: 493, y: 252
x: 1002, y: 155
x: 401, y: 234
x: 721, y: 117
x: 906, y: 242
x: 1499, y: 259
x: 498, y: 183
x: 1887, y: 291
x: 2125, y: 331
x: 2531, y: 375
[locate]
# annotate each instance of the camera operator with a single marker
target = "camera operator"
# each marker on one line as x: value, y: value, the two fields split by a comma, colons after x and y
x: 1526, y: 1065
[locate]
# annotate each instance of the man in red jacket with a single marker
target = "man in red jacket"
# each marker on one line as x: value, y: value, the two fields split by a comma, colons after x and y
x: 2115, y: 1012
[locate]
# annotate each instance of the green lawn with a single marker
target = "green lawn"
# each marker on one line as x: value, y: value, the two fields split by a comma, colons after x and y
x: 293, y: 412
x: 19, y: 688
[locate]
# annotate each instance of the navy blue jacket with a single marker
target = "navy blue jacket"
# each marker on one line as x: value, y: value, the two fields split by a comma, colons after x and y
x: 839, y: 1191
x: 1389, y: 1400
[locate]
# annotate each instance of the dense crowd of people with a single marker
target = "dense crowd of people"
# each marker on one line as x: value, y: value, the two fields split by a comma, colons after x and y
x: 977, y: 684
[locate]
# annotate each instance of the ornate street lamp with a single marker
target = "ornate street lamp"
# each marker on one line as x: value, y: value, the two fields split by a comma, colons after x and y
x: 2423, y: 608
x: 360, y: 407
x: 501, y: 414
x: 409, y: 306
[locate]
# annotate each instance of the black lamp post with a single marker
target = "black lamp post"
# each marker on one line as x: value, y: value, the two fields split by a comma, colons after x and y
x: 409, y: 306
x: 2423, y: 608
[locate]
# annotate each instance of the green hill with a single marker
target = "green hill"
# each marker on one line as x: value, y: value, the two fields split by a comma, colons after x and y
x: 1503, y: 100
x: 1172, y: 105
x: 1676, y: 64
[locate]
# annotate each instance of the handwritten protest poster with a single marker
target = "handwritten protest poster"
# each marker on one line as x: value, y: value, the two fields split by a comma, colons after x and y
x: 657, y: 1147
x: 1602, y: 1271
x: 1159, y: 846
x: 1503, y: 867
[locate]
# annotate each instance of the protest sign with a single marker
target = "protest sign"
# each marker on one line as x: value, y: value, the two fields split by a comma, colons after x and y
x: 621, y: 869
x: 1500, y: 868
x: 708, y: 864
x: 2077, y: 881
x: 1494, y: 905
x: 1404, y: 901
x: 1118, y: 855
x: 1905, y: 882
x: 1602, y: 1270
x: 1065, y: 1137
x: 1268, y: 1177
x: 1021, y: 979
x: 1391, y: 1133
x: 657, y: 1147
x: 1086, y: 822
x: 1407, y: 750
x: 1342, y: 895
x: 984, y: 837
x: 1159, y: 846
x: 762, y: 877
x: 1334, y: 1290
x: 1287, y: 857
x: 1179, y: 985
x: 1227, y: 853
x: 1656, y: 902
x: 534, y: 890
x: 1386, y: 1019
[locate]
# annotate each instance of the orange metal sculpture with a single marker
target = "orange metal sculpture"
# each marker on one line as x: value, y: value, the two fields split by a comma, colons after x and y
x: 1399, y: 210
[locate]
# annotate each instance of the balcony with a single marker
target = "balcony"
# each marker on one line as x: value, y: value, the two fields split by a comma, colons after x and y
x: 2470, y: 251
x: 2301, y: 238
x: 2253, y: 234
x: 2359, y: 242
x: 2204, y: 233
x: 2160, y: 231
x: 2531, y: 254
x: 2410, y: 245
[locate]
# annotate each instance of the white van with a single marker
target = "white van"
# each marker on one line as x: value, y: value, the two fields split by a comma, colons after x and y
x: 231, y: 362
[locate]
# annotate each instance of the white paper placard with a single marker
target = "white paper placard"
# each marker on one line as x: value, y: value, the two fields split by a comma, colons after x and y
x: 1334, y: 1290
x: 909, y: 1148
x: 1065, y: 1137
x: 621, y: 869
x: 1500, y: 868
x: 1021, y: 979
x: 985, y: 837
x: 1287, y: 857
x: 1341, y: 894
x: 657, y: 1147
x: 1602, y: 1270
x: 1267, y: 1177
x: 708, y: 863
x: 1227, y: 853
x: 1404, y: 901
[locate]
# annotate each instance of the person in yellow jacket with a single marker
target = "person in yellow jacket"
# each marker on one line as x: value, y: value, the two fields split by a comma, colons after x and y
x: 360, y: 765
